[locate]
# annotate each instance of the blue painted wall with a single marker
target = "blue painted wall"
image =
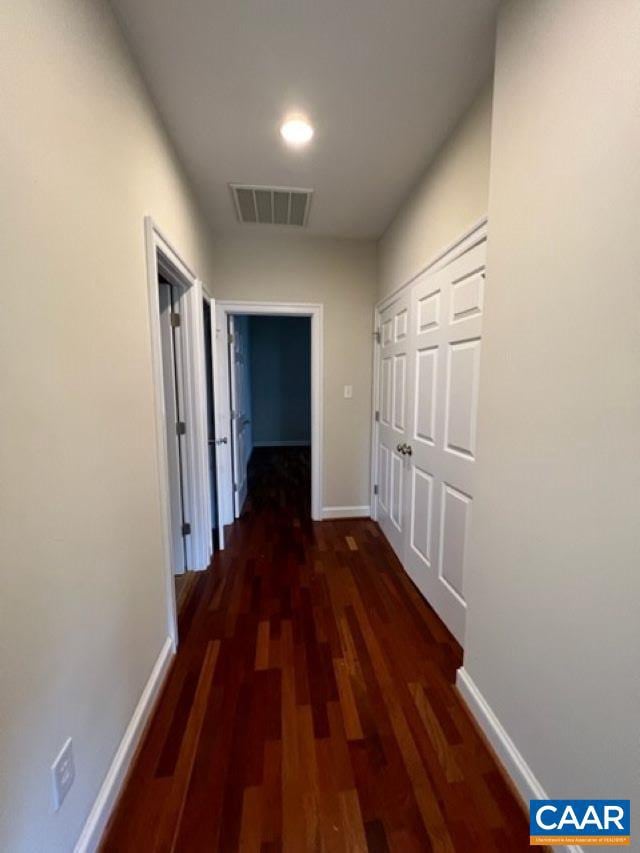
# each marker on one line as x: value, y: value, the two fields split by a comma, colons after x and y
x: 280, y: 379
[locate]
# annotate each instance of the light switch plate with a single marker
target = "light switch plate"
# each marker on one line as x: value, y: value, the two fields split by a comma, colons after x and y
x: 348, y: 392
x: 63, y: 771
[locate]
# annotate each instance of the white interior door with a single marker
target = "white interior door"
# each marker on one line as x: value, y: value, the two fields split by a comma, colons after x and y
x: 393, y: 421
x: 445, y: 339
x: 171, y: 371
x: 215, y: 434
x: 240, y: 406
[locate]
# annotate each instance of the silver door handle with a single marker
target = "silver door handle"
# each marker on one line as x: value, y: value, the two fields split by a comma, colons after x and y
x: 219, y: 441
x: 400, y: 448
x: 408, y: 450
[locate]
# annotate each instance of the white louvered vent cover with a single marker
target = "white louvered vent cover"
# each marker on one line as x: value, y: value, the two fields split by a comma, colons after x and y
x: 272, y: 205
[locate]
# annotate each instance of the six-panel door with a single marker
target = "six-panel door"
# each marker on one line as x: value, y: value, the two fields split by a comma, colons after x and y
x: 393, y: 423
x: 442, y: 374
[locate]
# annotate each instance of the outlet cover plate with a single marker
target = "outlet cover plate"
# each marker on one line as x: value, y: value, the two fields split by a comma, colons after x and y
x: 63, y: 772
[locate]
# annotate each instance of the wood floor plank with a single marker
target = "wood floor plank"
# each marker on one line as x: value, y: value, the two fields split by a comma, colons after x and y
x: 251, y: 823
x: 170, y: 820
x: 311, y: 705
x: 262, y: 646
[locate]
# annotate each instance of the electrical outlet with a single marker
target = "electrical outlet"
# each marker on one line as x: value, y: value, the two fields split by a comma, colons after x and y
x: 348, y: 392
x: 63, y: 771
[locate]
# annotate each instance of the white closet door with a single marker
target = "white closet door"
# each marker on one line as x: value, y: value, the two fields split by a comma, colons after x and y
x: 445, y: 338
x: 393, y: 425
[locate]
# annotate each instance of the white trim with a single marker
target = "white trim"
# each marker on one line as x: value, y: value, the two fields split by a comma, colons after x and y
x: 199, y: 543
x: 346, y: 512
x: 303, y: 443
x: 100, y: 813
x: 510, y: 757
x: 442, y: 257
x: 217, y: 422
x: 223, y: 419
x: 296, y: 309
x: 375, y: 403
x: 465, y: 241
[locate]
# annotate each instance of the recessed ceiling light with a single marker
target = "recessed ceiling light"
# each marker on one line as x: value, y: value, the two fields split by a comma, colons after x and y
x: 296, y: 131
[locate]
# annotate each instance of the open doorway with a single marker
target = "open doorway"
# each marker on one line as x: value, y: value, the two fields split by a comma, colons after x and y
x: 169, y: 296
x: 270, y: 381
x: 269, y: 358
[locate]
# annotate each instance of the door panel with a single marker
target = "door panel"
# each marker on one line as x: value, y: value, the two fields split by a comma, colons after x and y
x: 395, y: 509
x: 387, y: 390
x: 393, y: 402
x: 422, y: 514
x: 462, y: 389
x: 399, y: 391
x: 425, y: 394
x: 445, y: 335
x: 456, y: 513
x: 400, y: 323
x: 429, y: 311
x: 383, y: 475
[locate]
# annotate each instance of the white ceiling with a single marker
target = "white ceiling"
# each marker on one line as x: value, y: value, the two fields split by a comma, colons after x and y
x: 383, y: 82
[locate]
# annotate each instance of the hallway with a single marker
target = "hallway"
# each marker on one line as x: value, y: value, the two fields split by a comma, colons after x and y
x: 311, y: 704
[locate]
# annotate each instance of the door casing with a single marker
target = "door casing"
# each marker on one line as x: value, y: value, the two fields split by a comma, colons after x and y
x: 314, y: 311
x: 172, y: 365
x: 161, y: 255
x: 220, y: 438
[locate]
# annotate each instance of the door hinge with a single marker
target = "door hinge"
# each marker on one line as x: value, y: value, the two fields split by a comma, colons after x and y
x: 175, y: 320
x: 377, y: 416
x: 186, y: 529
x: 181, y: 428
x: 376, y: 335
x: 235, y: 487
x: 232, y: 338
x: 375, y: 490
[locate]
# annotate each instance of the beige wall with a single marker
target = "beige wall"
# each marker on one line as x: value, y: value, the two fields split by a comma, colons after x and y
x: 451, y: 196
x: 341, y: 274
x: 82, y: 614
x: 553, y: 631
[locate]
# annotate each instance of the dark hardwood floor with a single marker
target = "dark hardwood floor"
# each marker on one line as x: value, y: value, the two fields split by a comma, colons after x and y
x: 311, y: 704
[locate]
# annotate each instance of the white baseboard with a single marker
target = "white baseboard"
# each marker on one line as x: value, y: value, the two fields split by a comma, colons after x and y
x: 282, y: 444
x: 346, y: 512
x: 514, y: 764
x: 101, y: 810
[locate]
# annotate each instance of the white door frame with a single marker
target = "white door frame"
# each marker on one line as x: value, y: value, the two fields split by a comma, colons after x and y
x: 290, y: 309
x: 474, y: 234
x: 222, y: 439
x: 199, y: 544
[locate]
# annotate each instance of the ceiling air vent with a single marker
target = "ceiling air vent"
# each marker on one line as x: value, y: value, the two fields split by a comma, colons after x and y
x: 272, y: 205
